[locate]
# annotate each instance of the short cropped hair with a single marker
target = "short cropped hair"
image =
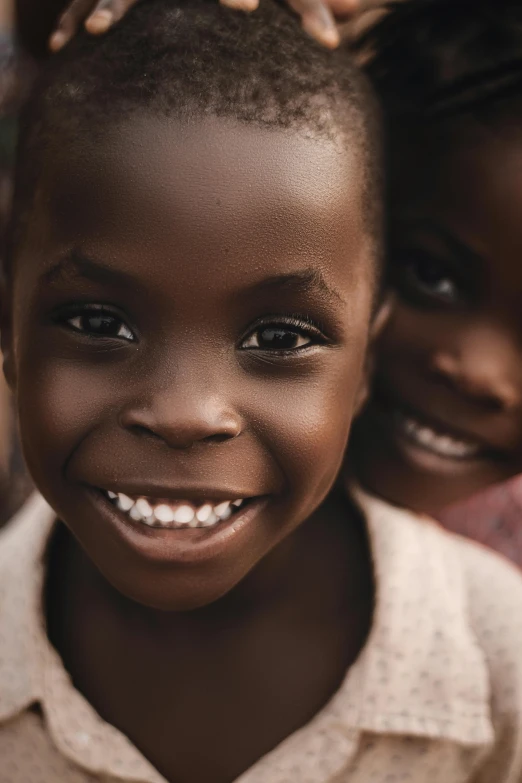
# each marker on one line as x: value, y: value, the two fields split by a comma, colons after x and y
x: 191, y: 58
x: 430, y: 59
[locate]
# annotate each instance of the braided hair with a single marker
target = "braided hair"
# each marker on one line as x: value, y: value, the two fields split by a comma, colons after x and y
x: 437, y: 58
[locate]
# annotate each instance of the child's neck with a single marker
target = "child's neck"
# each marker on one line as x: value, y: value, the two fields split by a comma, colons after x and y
x: 232, y: 679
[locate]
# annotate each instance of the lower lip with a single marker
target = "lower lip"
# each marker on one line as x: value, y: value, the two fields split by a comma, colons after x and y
x: 183, y: 546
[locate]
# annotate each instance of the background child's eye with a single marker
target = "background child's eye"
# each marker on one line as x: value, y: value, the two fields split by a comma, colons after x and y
x: 100, y: 323
x: 428, y: 277
x: 277, y: 337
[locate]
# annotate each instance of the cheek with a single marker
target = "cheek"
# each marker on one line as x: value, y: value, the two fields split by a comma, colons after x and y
x: 59, y: 403
x: 307, y: 423
x: 412, y: 336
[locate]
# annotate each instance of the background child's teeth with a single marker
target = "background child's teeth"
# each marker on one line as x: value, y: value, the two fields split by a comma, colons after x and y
x: 222, y: 508
x: 164, y: 513
x: 237, y: 503
x: 184, y: 515
x: 225, y: 514
x: 135, y: 514
x: 204, y: 512
x: 144, y: 507
x: 112, y: 495
x: 124, y: 502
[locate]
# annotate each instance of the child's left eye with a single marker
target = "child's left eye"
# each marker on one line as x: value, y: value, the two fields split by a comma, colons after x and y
x: 100, y: 323
x: 277, y: 337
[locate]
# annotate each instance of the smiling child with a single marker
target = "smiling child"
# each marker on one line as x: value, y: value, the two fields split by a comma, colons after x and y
x: 446, y: 416
x: 191, y: 297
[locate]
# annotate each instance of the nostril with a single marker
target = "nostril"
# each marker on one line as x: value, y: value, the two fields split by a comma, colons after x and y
x: 220, y: 437
x: 144, y: 432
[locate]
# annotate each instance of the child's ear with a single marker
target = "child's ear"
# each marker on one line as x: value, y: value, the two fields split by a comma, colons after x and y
x: 379, y: 321
x: 6, y: 335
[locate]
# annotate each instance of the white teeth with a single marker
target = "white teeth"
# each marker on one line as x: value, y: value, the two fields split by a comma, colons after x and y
x: 164, y: 513
x: 222, y: 508
x: 210, y: 521
x: 184, y: 515
x: 443, y: 445
x: 124, y: 502
x: 174, y: 515
x: 144, y: 507
x: 135, y: 514
x: 204, y: 512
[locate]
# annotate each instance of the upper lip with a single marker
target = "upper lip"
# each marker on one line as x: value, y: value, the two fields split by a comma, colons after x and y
x: 194, y: 494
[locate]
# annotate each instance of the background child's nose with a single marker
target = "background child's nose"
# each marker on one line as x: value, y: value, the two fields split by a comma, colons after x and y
x: 484, y: 367
x: 182, y: 419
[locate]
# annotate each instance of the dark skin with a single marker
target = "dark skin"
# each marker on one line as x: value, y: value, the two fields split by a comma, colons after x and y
x: 236, y: 275
x: 446, y: 417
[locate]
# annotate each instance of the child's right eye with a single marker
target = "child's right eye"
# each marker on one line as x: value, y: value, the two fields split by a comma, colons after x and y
x: 426, y: 277
x: 100, y: 322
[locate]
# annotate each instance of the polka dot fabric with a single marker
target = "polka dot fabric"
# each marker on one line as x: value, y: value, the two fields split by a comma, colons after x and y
x: 434, y: 697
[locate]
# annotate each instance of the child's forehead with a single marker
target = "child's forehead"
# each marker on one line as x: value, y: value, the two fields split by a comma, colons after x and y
x: 224, y: 194
x: 214, y: 169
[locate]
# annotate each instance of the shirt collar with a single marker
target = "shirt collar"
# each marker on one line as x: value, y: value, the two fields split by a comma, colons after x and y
x: 38, y: 675
x: 420, y: 626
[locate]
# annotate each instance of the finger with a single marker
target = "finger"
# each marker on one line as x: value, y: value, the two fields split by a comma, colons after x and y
x: 344, y: 9
x: 317, y: 20
x: 69, y: 23
x: 105, y: 14
x: 241, y: 5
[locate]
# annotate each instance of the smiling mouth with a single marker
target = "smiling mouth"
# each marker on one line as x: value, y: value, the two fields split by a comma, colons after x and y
x: 175, y: 514
x: 435, y: 440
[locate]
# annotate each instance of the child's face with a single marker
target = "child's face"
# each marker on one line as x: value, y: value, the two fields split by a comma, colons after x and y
x: 446, y: 419
x: 191, y: 309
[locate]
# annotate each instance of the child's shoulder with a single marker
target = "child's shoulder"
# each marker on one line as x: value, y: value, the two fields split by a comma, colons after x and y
x: 470, y: 596
x: 25, y: 535
x: 494, y: 596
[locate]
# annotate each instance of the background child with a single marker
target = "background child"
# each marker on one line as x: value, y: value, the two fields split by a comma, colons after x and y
x: 446, y: 414
x: 191, y: 296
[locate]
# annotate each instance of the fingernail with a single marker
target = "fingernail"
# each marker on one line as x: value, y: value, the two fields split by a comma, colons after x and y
x: 241, y: 5
x: 57, y: 41
x: 323, y: 30
x: 99, y: 22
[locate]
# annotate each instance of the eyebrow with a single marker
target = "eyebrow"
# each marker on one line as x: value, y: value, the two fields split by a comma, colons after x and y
x: 303, y: 281
x: 76, y: 264
x: 456, y: 246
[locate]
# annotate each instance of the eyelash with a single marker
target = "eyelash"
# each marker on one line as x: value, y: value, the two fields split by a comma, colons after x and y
x: 303, y: 326
x: 293, y: 324
x: 81, y: 311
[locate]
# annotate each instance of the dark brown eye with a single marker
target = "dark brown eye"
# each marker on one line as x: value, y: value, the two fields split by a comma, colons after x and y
x: 100, y: 323
x: 277, y: 338
x: 427, y: 277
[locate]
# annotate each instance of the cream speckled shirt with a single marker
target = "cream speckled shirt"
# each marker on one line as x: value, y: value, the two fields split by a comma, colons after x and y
x: 434, y: 697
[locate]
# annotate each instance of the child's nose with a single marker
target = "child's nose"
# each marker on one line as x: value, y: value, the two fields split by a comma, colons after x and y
x: 484, y: 367
x: 182, y: 418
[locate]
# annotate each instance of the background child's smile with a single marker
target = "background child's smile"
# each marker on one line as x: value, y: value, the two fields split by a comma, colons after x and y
x: 446, y: 418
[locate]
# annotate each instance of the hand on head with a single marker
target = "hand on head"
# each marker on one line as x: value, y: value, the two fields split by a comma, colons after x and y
x: 318, y: 17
